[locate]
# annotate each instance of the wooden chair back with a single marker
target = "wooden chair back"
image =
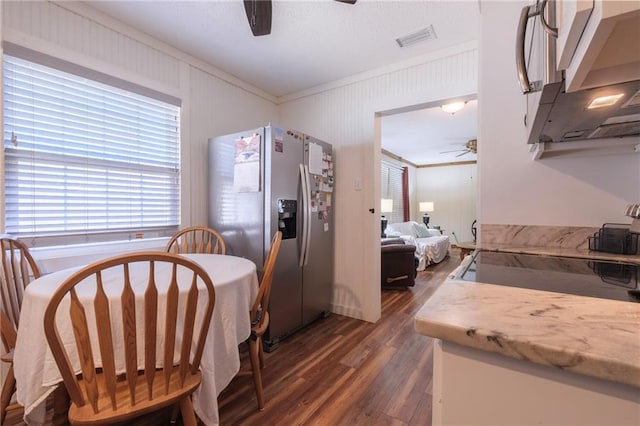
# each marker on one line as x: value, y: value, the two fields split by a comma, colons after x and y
x: 261, y: 303
x: 151, y: 381
x: 197, y: 239
x: 259, y: 315
x: 18, y: 270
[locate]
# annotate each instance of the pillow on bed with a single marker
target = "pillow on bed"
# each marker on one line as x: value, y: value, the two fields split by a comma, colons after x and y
x: 421, y: 230
x: 434, y: 232
x: 392, y: 233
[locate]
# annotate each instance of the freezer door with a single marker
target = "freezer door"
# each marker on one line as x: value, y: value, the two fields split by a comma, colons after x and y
x: 283, y: 157
x: 238, y: 216
x: 317, y: 273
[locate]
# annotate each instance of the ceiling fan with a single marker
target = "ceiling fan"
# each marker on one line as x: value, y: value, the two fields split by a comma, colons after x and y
x: 259, y: 15
x: 471, y: 146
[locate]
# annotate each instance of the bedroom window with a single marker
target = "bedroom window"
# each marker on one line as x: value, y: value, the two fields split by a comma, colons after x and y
x: 86, y: 161
x: 391, y: 186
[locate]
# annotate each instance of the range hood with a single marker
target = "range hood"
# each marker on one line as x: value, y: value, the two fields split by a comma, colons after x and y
x: 564, y: 117
x: 569, y: 115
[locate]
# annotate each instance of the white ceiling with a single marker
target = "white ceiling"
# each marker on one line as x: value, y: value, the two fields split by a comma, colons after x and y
x: 423, y: 135
x: 311, y: 42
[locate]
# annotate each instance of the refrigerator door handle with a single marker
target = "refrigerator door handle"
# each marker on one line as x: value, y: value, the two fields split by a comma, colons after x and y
x: 308, y: 213
x: 305, y: 202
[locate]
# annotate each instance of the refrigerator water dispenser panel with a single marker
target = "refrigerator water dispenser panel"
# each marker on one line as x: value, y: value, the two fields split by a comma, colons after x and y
x: 287, y: 210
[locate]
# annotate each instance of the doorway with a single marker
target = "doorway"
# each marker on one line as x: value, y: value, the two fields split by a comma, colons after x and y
x: 439, y: 149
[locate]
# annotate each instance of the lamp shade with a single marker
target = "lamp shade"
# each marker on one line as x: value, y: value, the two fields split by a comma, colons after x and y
x: 386, y: 205
x: 426, y: 206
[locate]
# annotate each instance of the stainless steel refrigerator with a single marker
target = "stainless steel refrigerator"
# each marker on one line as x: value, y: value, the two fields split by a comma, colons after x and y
x: 268, y: 179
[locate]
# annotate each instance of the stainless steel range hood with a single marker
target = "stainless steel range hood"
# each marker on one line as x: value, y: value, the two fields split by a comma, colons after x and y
x: 563, y: 117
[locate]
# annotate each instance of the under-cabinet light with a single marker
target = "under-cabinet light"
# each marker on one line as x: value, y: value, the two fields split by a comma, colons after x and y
x: 604, y: 101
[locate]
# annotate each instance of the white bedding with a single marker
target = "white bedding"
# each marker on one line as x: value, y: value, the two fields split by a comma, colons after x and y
x: 431, y: 249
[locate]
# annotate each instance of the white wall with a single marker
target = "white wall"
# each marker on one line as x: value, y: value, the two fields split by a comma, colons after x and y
x: 579, y: 191
x: 453, y: 191
x: 213, y: 103
x: 344, y: 114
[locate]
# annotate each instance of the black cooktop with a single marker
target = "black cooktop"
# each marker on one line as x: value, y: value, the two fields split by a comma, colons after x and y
x: 579, y: 276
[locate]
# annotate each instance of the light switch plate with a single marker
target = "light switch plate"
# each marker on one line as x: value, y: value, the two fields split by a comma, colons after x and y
x: 357, y: 184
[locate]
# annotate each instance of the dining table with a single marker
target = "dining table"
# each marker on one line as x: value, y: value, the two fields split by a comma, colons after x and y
x: 236, y: 285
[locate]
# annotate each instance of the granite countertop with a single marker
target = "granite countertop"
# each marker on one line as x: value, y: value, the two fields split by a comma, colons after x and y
x: 585, y: 335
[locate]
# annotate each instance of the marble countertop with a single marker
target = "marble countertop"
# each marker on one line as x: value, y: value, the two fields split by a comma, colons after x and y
x: 585, y: 335
x: 558, y: 251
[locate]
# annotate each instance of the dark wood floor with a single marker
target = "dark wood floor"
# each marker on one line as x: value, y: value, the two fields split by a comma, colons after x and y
x: 342, y: 371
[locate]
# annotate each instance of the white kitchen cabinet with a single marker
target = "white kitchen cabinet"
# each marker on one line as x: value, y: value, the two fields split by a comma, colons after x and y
x: 571, y: 18
x: 474, y: 387
x: 598, y: 42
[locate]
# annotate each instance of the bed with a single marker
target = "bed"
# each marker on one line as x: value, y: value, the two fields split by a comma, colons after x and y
x: 431, y: 246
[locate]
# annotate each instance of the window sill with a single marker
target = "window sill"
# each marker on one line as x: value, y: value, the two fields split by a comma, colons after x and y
x: 51, y: 259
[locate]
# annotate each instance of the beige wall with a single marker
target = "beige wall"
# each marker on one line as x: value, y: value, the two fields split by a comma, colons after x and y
x: 453, y: 191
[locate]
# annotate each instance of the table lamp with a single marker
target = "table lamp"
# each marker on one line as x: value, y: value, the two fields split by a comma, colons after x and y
x: 386, y: 206
x: 426, y: 207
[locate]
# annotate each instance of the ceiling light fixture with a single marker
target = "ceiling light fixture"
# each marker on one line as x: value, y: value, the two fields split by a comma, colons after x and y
x: 604, y: 101
x: 424, y: 34
x: 453, y: 107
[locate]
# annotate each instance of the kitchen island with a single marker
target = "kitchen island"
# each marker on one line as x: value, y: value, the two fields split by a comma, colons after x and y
x: 508, y: 355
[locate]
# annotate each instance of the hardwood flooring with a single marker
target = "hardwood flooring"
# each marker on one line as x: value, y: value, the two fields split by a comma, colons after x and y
x: 342, y: 371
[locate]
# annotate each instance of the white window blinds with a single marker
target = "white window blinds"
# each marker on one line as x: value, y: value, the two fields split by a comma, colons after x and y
x: 391, y: 183
x: 85, y: 161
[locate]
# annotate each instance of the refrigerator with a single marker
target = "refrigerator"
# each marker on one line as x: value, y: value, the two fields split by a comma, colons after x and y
x: 272, y: 179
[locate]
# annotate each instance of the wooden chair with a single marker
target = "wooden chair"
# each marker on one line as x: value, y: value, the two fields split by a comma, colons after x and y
x: 197, y: 239
x: 100, y: 395
x: 18, y: 269
x: 260, y: 318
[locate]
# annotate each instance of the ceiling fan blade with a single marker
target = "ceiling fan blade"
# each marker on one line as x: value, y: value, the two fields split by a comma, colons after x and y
x: 464, y: 153
x: 347, y: 1
x: 259, y: 16
x: 455, y: 150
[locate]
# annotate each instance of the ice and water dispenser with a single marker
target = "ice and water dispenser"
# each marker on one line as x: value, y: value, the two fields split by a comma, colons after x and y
x: 287, y: 210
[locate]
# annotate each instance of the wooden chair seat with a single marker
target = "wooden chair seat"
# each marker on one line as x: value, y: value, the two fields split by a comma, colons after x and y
x: 84, y: 415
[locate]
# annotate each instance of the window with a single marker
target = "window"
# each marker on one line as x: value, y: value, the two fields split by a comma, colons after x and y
x: 391, y: 184
x: 85, y: 161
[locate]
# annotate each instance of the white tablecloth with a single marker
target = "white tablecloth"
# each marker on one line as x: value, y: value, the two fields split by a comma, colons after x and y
x: 236, y: 286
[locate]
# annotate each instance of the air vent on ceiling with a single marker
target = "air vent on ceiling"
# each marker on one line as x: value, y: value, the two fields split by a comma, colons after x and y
x: 424, y: 34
